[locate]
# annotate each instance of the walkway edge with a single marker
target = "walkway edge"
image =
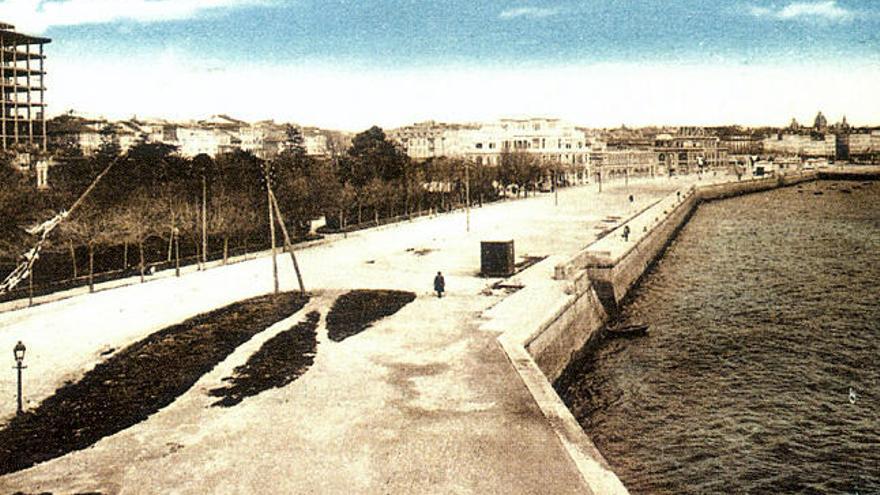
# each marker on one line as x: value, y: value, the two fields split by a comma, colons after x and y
x: 593, y: 468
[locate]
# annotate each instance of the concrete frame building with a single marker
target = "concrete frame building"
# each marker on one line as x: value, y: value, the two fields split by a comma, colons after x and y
x: 22, y: 74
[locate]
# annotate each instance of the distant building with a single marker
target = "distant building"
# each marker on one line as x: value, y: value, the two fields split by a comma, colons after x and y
x: 550, y: 140
x: 194, y: 140
x: 621, y: 162
x: 820, y: 124
x: 22, y: 72
x: 859, y: 146
x: 314, y: 141
x: 812, y: 145
x: 742, y: 144
x: 433, y: 139
x: 689, y: 150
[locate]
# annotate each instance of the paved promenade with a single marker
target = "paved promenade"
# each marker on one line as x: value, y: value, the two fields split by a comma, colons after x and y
x: 423, y: 402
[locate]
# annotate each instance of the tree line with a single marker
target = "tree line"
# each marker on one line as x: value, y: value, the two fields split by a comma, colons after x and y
x: 153, y: 200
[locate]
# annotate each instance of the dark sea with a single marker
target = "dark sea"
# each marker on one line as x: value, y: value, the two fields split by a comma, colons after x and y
x: 761, y: 369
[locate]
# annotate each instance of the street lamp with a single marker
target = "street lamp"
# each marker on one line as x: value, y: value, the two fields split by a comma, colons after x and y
x: 18, y: 351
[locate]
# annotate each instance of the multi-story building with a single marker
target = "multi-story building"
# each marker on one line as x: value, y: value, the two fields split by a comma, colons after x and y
x: 22, y: 73
x: 810, y: 145
x: 550, y: 140
x: 688, y: 150
x: 860, y: 146
x: 192, y: 140
x: 742, y: 144
x: 623, y: 162
x: 433, y: 139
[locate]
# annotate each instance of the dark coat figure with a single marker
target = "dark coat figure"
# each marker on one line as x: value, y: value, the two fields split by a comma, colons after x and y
x: 439, y: 284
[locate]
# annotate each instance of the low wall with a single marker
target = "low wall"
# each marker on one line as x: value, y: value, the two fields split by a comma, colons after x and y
x: 569, y: 329
x: 615, y: 265
x: 541, y: 338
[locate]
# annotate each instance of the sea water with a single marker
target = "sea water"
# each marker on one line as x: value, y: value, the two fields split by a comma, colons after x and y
x: 761, y: 370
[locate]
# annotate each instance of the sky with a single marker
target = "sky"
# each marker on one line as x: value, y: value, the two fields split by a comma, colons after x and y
x: 350, y: 64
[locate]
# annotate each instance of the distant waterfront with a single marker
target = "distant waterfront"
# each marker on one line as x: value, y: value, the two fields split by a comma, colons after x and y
x: 763, y: 315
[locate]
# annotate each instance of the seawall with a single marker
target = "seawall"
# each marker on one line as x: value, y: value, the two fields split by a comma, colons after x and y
x: 566, y: 302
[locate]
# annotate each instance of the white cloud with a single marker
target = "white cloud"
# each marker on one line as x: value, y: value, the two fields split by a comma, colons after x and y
x: 531, y: 12
x: 827, y: 10
x: 39, y: 15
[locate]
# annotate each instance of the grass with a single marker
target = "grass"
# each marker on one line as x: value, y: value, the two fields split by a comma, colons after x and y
x: 281, y: 360
x: 355, y: 311
x: 136, y: 382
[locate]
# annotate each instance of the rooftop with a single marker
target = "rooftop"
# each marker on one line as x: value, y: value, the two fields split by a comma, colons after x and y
x: 9, y: 37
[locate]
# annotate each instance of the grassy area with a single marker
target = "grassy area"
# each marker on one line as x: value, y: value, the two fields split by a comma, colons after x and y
x: 281, y: 360
x: 136, y: 382
x: 355, y: 311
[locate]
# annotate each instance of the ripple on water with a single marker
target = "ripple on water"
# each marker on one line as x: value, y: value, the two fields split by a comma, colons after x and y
x: 764, y: 313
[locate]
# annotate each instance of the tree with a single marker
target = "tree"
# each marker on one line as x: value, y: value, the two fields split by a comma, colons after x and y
x: 520, y: 169
x: 135, y: 220
x: 373, y: 156
x: 64, y: 131
x: 306, y: 188
x: 237, y: 196
x: 294, y: 141
x: 17, y: 202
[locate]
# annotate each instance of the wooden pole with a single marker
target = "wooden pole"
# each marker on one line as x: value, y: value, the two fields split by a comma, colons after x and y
x: 467, y: 193
x: 204, y: 218
x: 176, y: 253
x: 287, y: 241
x: 31, y: 286
x: 555, y: 186
x: 272, y: 235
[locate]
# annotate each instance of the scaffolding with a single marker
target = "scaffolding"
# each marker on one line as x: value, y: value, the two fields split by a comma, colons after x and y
x: 22, y: 74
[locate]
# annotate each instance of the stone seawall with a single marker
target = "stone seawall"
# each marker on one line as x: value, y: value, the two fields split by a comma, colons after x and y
x: 615, y: 265
x: 569, y: 301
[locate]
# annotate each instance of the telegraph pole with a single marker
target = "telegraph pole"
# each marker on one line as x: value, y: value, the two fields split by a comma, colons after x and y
x: 555, y: 186
x: 204, y: 218
x: 272, y: 235
x: 467, y: 193
x: 271, y: 227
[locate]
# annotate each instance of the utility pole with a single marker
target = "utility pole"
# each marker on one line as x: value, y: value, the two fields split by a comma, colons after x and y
x: 467, y: 193
x: 204, y: 218
x: 287, y: 242
x: 555, y: 186
x: 272, y: 233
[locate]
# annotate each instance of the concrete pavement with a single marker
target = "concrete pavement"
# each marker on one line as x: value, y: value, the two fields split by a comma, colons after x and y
x: 424, y: 402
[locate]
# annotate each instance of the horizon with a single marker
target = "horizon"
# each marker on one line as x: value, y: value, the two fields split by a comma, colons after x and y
x: 342, y: 66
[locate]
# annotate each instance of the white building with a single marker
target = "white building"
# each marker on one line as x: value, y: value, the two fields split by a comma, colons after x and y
x: 192, y: 140
x: 803, y: 145
x: 552, y: 140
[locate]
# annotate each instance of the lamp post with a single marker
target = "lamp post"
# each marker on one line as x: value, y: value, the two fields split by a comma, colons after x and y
x: 18, y: 351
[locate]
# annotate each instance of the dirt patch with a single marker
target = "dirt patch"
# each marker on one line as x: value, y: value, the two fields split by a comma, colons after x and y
x: 281, y: 360
x: 136, y: 382
x: 355, y: 311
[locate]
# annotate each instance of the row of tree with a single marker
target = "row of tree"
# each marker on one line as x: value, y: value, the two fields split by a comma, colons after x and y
x: 152, y: 194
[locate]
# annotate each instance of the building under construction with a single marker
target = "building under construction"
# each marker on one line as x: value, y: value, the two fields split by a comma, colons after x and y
x: 22, y: 73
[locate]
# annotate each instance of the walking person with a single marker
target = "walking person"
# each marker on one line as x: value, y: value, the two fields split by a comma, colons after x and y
x: 439, y: 284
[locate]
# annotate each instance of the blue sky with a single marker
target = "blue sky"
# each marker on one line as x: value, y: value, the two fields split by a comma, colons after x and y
x: 596, y: 62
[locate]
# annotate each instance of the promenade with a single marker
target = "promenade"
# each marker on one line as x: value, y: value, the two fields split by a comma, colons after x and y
x: 424, y: 402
